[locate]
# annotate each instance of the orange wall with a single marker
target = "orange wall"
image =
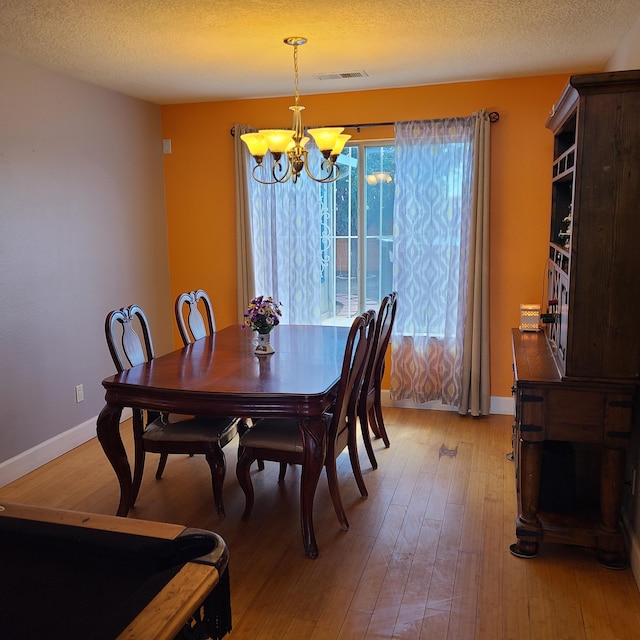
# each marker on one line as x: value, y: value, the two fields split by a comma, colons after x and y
x: 200, y: 184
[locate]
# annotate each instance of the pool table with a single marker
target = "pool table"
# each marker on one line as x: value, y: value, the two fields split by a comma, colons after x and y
x: 68, y: 575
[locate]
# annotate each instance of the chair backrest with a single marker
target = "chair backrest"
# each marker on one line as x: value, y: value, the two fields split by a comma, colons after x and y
x: 356, y: 355
x: 382, y: 335
x: 125, y: 346
x: 194, y: 327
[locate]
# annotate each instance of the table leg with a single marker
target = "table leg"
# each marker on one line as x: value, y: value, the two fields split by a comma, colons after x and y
x: 528, y: 529
x: 314, y: 440
x: 610, y: 549
x: 108, y: 430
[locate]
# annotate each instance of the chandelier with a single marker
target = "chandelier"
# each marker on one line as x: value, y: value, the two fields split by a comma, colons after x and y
x: 287, y: 146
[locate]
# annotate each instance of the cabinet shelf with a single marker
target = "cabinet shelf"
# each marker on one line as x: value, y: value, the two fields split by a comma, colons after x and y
x: 563, y: 166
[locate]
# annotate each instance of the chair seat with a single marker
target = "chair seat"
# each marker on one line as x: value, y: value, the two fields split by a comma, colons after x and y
x: 176, y: 427
x: 274, y: 433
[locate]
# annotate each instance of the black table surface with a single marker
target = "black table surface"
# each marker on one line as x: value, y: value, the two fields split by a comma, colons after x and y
x: 67, y: 582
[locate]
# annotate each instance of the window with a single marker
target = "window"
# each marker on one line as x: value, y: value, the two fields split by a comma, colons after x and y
x: 357, y: 232
x: 406, y: 215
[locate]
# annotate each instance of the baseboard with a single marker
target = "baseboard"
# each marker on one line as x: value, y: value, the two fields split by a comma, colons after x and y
x: 503, y: 406
x: 35, y: 457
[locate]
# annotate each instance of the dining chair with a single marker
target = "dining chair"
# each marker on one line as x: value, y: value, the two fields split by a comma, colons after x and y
x: 165, y: 433
x: 193, y: 327
x: 280, y: 439
x: 370, y: 401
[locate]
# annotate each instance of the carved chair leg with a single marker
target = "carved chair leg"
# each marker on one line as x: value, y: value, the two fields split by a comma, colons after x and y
x: 162, y: 463
x: 283, y: 472
x: 243, y: 474
x: 218, y: 466
x: 334, y: 491
x: 366, y: 438
x: 355, y: 461
x: 373, y: 421
x: 379, y: 420
x: 243, y: 426
x: 139, y: 454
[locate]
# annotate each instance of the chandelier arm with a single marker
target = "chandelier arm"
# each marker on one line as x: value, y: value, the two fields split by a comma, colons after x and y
x: 279, y: 174
x: 279, y: 177
x: 257, y: 179
x: 337, y: 169
x: 332, y: 171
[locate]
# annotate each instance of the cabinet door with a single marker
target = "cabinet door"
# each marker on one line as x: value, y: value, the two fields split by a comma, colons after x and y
x: 558, y: 293
x: 563, y: 318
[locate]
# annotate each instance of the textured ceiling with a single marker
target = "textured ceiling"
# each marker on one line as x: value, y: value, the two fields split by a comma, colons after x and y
x: 172, y: 51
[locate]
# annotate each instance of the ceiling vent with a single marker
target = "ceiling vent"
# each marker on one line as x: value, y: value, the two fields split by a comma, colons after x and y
x: 347, y: 75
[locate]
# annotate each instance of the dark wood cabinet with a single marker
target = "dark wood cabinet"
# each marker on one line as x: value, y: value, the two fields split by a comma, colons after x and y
x: 570, y: 444
x: 576, y: 382
x: 594, y: 257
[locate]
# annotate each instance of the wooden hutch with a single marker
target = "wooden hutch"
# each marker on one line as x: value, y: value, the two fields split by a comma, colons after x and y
x: 576, y: 382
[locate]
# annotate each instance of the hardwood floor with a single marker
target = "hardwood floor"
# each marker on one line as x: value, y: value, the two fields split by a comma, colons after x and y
x: 426, y: 556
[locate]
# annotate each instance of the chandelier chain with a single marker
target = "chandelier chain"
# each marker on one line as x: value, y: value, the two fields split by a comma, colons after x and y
x: 295, y: 73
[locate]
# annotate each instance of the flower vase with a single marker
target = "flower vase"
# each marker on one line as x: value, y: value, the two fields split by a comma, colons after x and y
x: 264, y: 344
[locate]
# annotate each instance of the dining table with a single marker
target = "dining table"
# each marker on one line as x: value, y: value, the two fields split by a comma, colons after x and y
x: 221, y: 375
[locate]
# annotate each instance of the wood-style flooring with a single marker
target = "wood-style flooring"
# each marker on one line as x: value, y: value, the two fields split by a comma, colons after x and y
x: 426, y: 556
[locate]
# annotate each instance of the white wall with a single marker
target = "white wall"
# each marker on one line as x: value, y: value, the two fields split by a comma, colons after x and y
x: 82, y: 231
x: 627, y: 55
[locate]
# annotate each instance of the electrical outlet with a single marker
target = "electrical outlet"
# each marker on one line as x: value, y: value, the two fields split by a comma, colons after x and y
x: 79, y: 393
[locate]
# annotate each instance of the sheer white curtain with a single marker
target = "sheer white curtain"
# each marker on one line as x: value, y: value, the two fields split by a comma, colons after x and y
x: 285, y: 222
x: 432, y: 228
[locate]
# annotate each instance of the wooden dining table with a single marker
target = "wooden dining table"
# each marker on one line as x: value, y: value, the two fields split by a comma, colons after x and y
x: 220, y: 375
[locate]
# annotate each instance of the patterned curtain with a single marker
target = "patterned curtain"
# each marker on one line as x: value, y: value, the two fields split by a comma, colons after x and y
x: 285, y: 221
x: 244, y: 255
x: 432, y: 224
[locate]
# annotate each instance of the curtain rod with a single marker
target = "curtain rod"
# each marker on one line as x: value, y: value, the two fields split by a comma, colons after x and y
x: 494, y: 116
